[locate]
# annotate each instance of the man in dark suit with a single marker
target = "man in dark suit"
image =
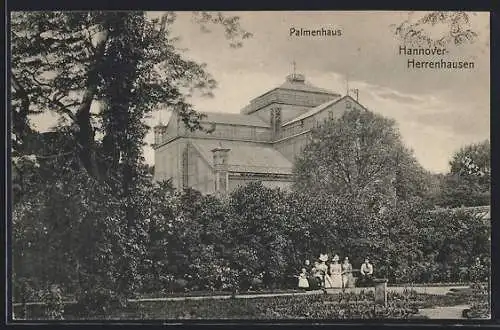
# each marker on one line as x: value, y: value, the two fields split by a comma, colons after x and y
x: 366, y: 273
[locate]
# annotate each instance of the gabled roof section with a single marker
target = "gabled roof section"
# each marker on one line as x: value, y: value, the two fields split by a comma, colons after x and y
x: 322, y: 107
x: 234, y: 119
x: 295, y: 90
x: 314, y: 111
x: 246, y: 157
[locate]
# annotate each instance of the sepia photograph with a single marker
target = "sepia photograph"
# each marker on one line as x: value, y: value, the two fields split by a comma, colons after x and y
x: 251, y: 165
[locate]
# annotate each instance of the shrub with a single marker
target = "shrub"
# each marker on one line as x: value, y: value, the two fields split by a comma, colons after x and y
x: 54, y: 308
x: 349, y: 306
x: 480, y: 298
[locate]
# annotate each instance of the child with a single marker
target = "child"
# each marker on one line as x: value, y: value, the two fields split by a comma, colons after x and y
x: 303, y: 282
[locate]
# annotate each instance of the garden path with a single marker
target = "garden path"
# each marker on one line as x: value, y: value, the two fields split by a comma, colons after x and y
x: 444, y: 313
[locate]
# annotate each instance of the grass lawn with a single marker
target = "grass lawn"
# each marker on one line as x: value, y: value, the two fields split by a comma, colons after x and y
x: 334, y: 306
x: 319, y: 306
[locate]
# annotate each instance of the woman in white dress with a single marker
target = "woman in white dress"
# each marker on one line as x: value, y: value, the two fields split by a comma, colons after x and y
x: 336, y: 273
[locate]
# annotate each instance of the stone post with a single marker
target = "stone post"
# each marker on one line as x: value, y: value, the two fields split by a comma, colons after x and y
x: 221, y: 168
x: 380, y: 291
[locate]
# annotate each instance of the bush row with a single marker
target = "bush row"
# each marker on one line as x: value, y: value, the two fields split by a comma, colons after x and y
x: 75, y: 235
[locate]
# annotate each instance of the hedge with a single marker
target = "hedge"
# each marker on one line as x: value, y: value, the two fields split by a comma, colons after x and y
x: 255, y: 238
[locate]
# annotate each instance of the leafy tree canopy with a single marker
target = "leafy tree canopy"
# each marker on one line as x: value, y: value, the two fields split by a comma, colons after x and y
x: 360, y: 156
x: 103, y: 73
x: 472, y: 160
x: 469, y: 181
x: 437, y: 28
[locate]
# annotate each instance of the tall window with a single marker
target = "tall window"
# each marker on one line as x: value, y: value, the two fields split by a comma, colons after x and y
x: 276, y: 121
x: 185, y: 174
x: 272, y: 118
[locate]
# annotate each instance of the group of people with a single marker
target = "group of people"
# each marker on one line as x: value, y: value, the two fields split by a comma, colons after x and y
x: 333, y: 275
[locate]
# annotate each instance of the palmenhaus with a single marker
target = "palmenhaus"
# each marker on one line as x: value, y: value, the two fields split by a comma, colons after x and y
x: 259, y: 143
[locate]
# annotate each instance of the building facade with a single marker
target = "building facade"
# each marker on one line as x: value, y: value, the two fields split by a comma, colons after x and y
x: 258, y: 144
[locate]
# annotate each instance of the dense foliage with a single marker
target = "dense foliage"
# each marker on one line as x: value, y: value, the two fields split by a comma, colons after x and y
x: 360, y: 156
x: 257, y: 236
x: 468, y: 182
x: 322, y: 307
x: 480, y: 300
x: 71, y: 230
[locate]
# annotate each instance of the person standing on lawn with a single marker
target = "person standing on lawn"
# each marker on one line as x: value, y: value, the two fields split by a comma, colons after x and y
x: 335, y: 273
x: 347, y: 278
x: 323, y: 268
x: 366, y: 272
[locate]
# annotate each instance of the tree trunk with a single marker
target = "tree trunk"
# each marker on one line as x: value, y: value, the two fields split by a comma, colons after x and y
x: 86, y: 135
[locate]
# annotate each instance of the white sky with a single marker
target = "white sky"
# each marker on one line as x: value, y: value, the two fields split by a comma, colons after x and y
x: 437, y: 111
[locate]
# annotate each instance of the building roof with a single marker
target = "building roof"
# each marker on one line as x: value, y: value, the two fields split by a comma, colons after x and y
x: 246, y: 157
x: 234, y: 119
x: 313, y: 111
x: 297, y: 82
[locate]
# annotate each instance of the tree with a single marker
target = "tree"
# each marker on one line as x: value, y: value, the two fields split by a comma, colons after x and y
x: 454, y: 28
x: 473, y: 160
x: 469, y: 181
x: 359, y: 156
x: 68, y: 233
x: 454, y: 238
x: 370, y: 189
x: 123, y: 64
x: 257, y: 232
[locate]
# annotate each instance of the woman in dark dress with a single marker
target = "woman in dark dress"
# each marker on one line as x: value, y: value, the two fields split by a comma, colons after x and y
x: 347, y: 278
